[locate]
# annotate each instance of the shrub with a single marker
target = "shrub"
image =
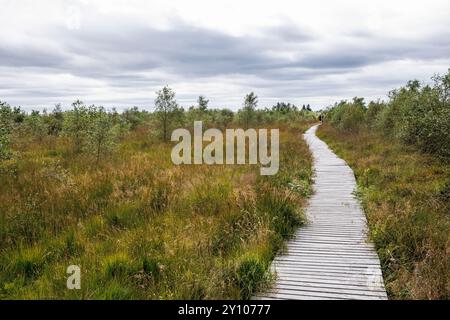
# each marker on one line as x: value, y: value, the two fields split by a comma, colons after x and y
x: 101, y: 133
x: 76, y: 124
x: 6, y: 126
x: 415, y: 114
x: 420, y: 115
x: 373, y: 111
x: 349, y: 116
x: 35, y: 126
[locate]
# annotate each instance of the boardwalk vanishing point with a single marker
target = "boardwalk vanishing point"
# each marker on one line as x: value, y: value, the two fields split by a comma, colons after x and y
x: 329, y: 258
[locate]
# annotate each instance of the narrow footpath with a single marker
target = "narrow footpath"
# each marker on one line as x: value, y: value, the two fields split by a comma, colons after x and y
x: 330, y: 257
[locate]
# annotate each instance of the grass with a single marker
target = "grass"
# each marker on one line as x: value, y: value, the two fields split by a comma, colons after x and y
x: 140, y: 227
x: 406, y: 198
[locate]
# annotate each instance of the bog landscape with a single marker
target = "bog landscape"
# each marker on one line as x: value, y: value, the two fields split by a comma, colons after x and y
x: 117, y: 185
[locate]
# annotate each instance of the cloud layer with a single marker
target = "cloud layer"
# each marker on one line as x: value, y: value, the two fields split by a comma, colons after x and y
x: 119, y: 53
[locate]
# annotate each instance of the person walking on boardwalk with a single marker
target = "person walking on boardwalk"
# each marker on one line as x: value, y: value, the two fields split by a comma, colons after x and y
x: 321, y: 118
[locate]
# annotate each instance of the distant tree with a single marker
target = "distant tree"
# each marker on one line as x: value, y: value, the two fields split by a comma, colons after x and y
x: 202, y: 103
x: 225, y: 118
x: 55, y: 120
x: 18, y: 115
x: 441, y: 85
x: 308, y: 107
x: 415, y: 114
x: 348, y: 116
x: 6, y: 127
x: 283, y: 107
x: 120, y: 122
x: 359, y: 101
x: 115, y: 116
x: 75, y: 125
x: 250, y: 103
x: 373, y: 110
x: 178, y: 116
x: 134, y: 117
x: 101, y: 133
x: 36, y: 126
x: 166, y: 107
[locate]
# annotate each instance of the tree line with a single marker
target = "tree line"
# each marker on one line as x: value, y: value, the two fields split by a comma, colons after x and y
x: 93, y: 130
x: 417, y: 114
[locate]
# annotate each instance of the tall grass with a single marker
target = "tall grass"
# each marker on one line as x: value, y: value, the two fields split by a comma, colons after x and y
x: 140, y: 227
x: 406, y: 196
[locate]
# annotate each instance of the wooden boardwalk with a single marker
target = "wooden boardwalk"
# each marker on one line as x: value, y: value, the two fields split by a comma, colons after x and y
x: 329, y: 258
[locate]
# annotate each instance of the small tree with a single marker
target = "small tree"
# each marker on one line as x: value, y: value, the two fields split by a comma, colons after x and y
x: 134, y: 117
x: 76, y: 124
x: 373, y: 110
x: 36, y: 126
x: 225, y: 118
x: 250, y: 103
x: 101, y: 133
x: 348, y: 116
x: 6, y: 127
x: 55, y: 120
x: 166, y: 107
x: 202, y: 103
x: 18, y: 115
x: 283, y: 107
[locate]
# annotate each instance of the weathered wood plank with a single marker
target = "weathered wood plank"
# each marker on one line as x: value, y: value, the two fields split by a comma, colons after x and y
x: 301, y: 294
x: 327, y: 289
x: 352, y: 278
x: 354, y: 282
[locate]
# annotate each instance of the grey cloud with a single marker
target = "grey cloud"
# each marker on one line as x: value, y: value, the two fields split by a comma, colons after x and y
x: 129, y: 55
x: 30, y: 57
x: 184, y: 50
x: 101, y: 51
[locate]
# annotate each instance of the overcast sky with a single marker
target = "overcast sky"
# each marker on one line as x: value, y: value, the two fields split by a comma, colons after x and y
x: 118, y: 53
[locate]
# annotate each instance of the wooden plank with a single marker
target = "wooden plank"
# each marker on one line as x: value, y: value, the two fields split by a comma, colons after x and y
x: 299, y: 274
x: 322, y: 248
x: 314, y: 278
x: 331, y: 257
x: 298, y: 296
x: 328, y: 258
x: 321, y: 265
x: 327, y: 289
x: 329, y: 254
x: 289, y: 294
